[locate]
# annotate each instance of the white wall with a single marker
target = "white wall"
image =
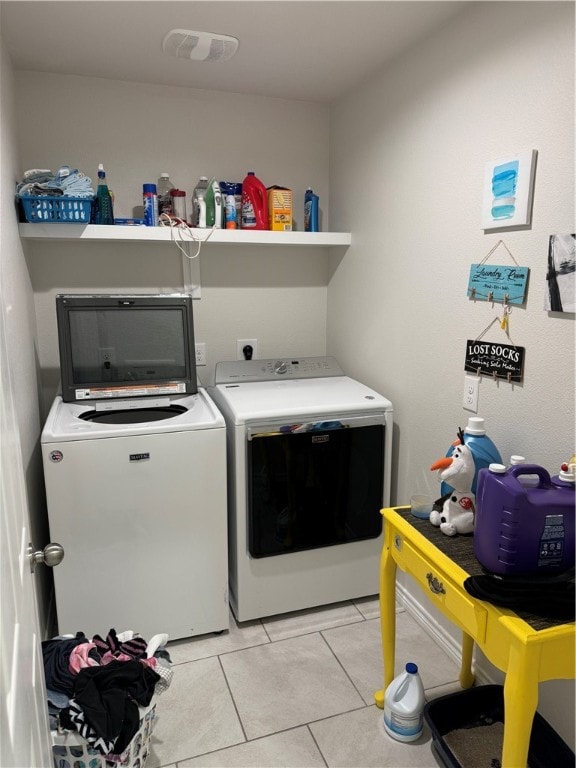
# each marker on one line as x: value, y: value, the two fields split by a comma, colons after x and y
x: 406, y: 174
x: 407, y: 160
x: 20, y: 330
x: 138, y: 131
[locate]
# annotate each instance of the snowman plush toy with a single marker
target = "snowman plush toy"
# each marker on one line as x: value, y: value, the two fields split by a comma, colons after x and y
x: 457, y: 470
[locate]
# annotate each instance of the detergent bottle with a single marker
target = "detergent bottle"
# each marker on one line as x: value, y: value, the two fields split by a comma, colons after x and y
x: 404, y: 705
x: 311, y: 202
x: 254, y: 203
x: 483, y: 450
x: 521, y: 530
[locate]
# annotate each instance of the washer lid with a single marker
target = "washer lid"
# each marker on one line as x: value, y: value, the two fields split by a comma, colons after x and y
x: 64, y: 422
x: 298, y: 398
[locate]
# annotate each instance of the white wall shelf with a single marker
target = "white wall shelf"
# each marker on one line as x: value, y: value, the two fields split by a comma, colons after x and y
x: 100, y: 233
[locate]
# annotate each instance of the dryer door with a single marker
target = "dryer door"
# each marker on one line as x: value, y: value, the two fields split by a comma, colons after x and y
x: 314, y: 485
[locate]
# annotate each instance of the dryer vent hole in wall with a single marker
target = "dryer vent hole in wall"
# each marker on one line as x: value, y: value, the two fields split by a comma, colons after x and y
x: 246, y: 349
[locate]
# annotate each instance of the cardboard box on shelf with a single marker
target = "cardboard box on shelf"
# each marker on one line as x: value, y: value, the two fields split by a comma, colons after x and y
x: 279, y: 209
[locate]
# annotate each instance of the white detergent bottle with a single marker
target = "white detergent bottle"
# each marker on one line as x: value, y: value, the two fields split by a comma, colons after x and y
x: 404, y: 705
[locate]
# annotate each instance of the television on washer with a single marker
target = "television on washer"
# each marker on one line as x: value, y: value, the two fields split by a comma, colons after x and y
x: 126, y: 346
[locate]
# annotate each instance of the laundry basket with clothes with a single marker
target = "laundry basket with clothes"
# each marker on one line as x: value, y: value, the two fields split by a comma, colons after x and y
x: 63, y: 197
x: 101, y: 697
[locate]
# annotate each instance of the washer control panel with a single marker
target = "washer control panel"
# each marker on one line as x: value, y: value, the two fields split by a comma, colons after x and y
x: 276, y: 368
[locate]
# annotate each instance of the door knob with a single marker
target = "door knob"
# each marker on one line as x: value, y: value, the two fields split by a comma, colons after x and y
x: 51, y: 555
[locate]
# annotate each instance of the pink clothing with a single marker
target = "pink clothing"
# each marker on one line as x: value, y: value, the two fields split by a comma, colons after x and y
x: 109, y: 656
x: 79, y: 658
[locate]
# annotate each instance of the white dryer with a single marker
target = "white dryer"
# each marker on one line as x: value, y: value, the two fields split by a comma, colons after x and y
x: 139, y: 504
x: 309, y: 458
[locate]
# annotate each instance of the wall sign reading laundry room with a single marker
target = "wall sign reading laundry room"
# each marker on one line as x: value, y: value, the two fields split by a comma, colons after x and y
x: 502, y: 361
x: 495, y: 282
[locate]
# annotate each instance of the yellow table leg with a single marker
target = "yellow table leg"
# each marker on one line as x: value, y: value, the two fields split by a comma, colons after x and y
x: 387, y: 618
x: 466, y: 674
x: 520, y: 702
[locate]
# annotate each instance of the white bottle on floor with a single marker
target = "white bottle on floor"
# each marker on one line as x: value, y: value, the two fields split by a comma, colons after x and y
x: 404, y: 705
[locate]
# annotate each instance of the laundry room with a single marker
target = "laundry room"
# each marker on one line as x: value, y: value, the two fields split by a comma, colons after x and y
x: 396, y: 152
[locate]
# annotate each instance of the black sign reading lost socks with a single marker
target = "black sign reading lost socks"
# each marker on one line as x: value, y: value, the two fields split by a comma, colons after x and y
x: 492, y: 359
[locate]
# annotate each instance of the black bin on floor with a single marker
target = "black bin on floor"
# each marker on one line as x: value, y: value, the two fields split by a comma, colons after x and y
x: 483, y: 707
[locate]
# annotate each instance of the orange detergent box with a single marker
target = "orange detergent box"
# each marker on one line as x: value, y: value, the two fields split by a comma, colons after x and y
x: 279, y: 209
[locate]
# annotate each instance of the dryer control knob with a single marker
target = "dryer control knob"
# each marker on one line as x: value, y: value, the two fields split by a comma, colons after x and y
x: 280, y: 367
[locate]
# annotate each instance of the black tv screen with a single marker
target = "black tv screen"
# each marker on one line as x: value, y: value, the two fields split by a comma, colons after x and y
x: 126, y: 346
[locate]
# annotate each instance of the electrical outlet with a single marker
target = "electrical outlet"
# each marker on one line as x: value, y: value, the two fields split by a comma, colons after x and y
x: 470, y: 398
x: 241, y: 343
x: 106, y: 357
x: 200, y: 353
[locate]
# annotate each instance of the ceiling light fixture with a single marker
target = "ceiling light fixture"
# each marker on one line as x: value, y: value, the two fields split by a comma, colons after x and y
x: 199, y: 46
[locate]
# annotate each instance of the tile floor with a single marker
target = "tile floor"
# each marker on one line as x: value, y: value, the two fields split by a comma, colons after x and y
x: 293, y: 690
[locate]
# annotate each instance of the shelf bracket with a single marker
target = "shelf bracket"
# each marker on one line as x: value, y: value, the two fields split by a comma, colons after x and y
x: 191, y: 276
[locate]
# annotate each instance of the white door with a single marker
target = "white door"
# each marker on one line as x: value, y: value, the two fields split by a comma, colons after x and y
x: 24, y: 730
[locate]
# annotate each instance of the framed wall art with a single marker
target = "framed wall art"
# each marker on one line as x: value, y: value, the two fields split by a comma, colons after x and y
x: 508, y: 191
x: 560, y: 295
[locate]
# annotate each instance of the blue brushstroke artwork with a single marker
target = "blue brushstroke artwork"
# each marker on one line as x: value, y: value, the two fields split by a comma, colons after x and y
x: 508, y: 190
x: 504, y: 182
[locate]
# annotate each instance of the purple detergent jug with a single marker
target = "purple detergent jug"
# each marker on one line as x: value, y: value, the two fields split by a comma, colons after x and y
x: 523, y: 530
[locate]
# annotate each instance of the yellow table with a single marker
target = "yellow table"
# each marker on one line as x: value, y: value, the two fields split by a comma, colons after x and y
x: 526, y: 648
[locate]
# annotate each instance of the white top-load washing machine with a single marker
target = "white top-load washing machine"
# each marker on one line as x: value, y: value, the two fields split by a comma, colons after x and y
x: 309, y: 458
x: 140, y: 510
x: 135, y: 485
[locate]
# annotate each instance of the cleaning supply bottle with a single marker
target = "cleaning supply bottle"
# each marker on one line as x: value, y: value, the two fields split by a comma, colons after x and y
x: 150, y: 199
x: 200, y: 190
x: 213, y: 200
x: 238, y: 201
x: 164, y: 189
x: 483, y: 450
x: 228, y: 190
x: 103, y: 208
x: 254, y: 203
x: 404, y: 702
x: 311, y: 202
